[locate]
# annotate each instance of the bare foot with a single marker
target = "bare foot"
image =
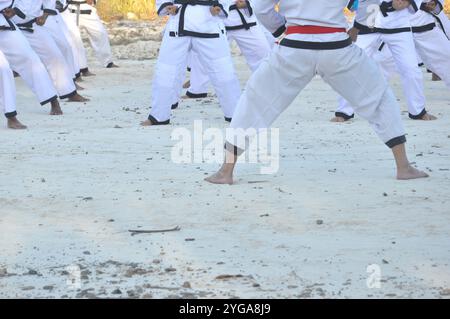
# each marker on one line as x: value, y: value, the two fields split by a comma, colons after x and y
x: 410, y: 173
x: 146, y: 123
x: 428, y: 117
x: 220, y: 178
x: 338, y: 119
x: 13, y: 123
x: 187, y: 85
x: 55, y: 108
x: 112, y: 65
x: 78, y: 98
x: 436, y: 78
x: 79, y: 79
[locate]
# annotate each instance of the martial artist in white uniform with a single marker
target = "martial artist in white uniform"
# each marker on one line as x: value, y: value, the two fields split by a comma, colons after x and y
x: 45, y: 46
x: 316, y: 44
x: 8, y: 92
x: 89, y: 20
x: 23, y: 60
x: 242, y: 27
x: 193, y: 25
x: 57, y: 28
x: 392, y: 28
x: 74, y: 38
x: 443, y: 20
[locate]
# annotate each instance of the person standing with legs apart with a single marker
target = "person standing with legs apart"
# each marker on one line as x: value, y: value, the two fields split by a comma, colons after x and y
x: 35, y: 16
x: 316, y: 43
x: 23, y: 60
x: 193, y: 25
x: 87, y: 18
x: 391, y: 27
x: 242, y: 27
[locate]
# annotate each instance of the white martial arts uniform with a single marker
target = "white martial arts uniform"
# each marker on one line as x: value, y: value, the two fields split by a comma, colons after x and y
x: 24, y: 60
x: 7, y: 88
x: 45, y: 46
x: 242, y: 27
x: 74, y: 36
x: 432, y: 44
x: 193, y: 28
x: 56, y: 26
x: 444, y: 21
x: 300, y: 57
x: 393, y: 29
x: 98, y: 35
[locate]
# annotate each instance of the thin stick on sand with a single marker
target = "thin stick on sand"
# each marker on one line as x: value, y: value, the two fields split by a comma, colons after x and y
x: 138, y: 232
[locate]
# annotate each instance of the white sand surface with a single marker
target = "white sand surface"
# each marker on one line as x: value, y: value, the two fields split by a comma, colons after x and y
x: 71, y: 187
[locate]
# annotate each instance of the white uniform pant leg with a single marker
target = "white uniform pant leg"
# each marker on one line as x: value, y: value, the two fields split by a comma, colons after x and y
x: 444, y: 23
x: 45, y: 47
x: 253, y: 45
x: 199, y: 78
x: 215, y: 56
x: 358, y: 79
x: 7, y: 88
x: 77, y: 41
x: 172, y: 60
x: 369, y: 43
x: 434, y: 49
x: 55, y: 26
x: 404, y: 53
x: 24, y: 60
x: 98, y: 36
x: 270, y: 90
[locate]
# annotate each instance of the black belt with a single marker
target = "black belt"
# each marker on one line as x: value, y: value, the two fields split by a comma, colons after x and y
x: 393, y: 31
x: 319, y: 46
x: 27, y: 26
x: 87, y: 11
x: 51, y: 12
x: 363, y: 29
x: 60, y: 7
x: 242, y: 26
x: 76, y: 2
x: 424, y: 28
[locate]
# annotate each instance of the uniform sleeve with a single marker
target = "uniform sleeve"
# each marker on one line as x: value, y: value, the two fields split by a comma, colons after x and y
x: 161, y: 6
x: 49, y: 6
x: 269, y: 17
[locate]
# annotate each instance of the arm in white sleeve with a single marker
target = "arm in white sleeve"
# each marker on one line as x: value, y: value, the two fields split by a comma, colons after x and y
x: 269, y: 17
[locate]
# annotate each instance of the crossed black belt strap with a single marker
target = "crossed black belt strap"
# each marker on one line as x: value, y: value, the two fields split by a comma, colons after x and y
x: 27, y: 26
x: 245, y: 25
x: 87, y: 11
x: 11, y: 26
x: 320, y: 46
x: 184, y: 5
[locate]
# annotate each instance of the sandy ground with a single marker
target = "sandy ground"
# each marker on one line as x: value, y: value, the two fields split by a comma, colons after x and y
x: 71, y: 187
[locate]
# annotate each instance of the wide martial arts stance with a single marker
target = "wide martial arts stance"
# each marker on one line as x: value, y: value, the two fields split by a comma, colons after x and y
x: 31, y: 21
x: 193, y: 25
x: 24, y: 61
x: 8, y: 94
x: 242, y: 27
x: 391, y: 28
x: 316, y: 43
x: 85, y: 15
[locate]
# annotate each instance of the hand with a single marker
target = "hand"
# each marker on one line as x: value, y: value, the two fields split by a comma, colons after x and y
x: 90, y: 2
x: 215, y: 11
x: 353, y: 33
x: 400, y: 4
x: 241, y: 4
x: 41, y: 20
x: 172, y: 10
x: 9, y: 13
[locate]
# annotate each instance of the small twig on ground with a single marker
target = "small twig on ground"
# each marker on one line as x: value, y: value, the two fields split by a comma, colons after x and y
x: 137, y: 232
